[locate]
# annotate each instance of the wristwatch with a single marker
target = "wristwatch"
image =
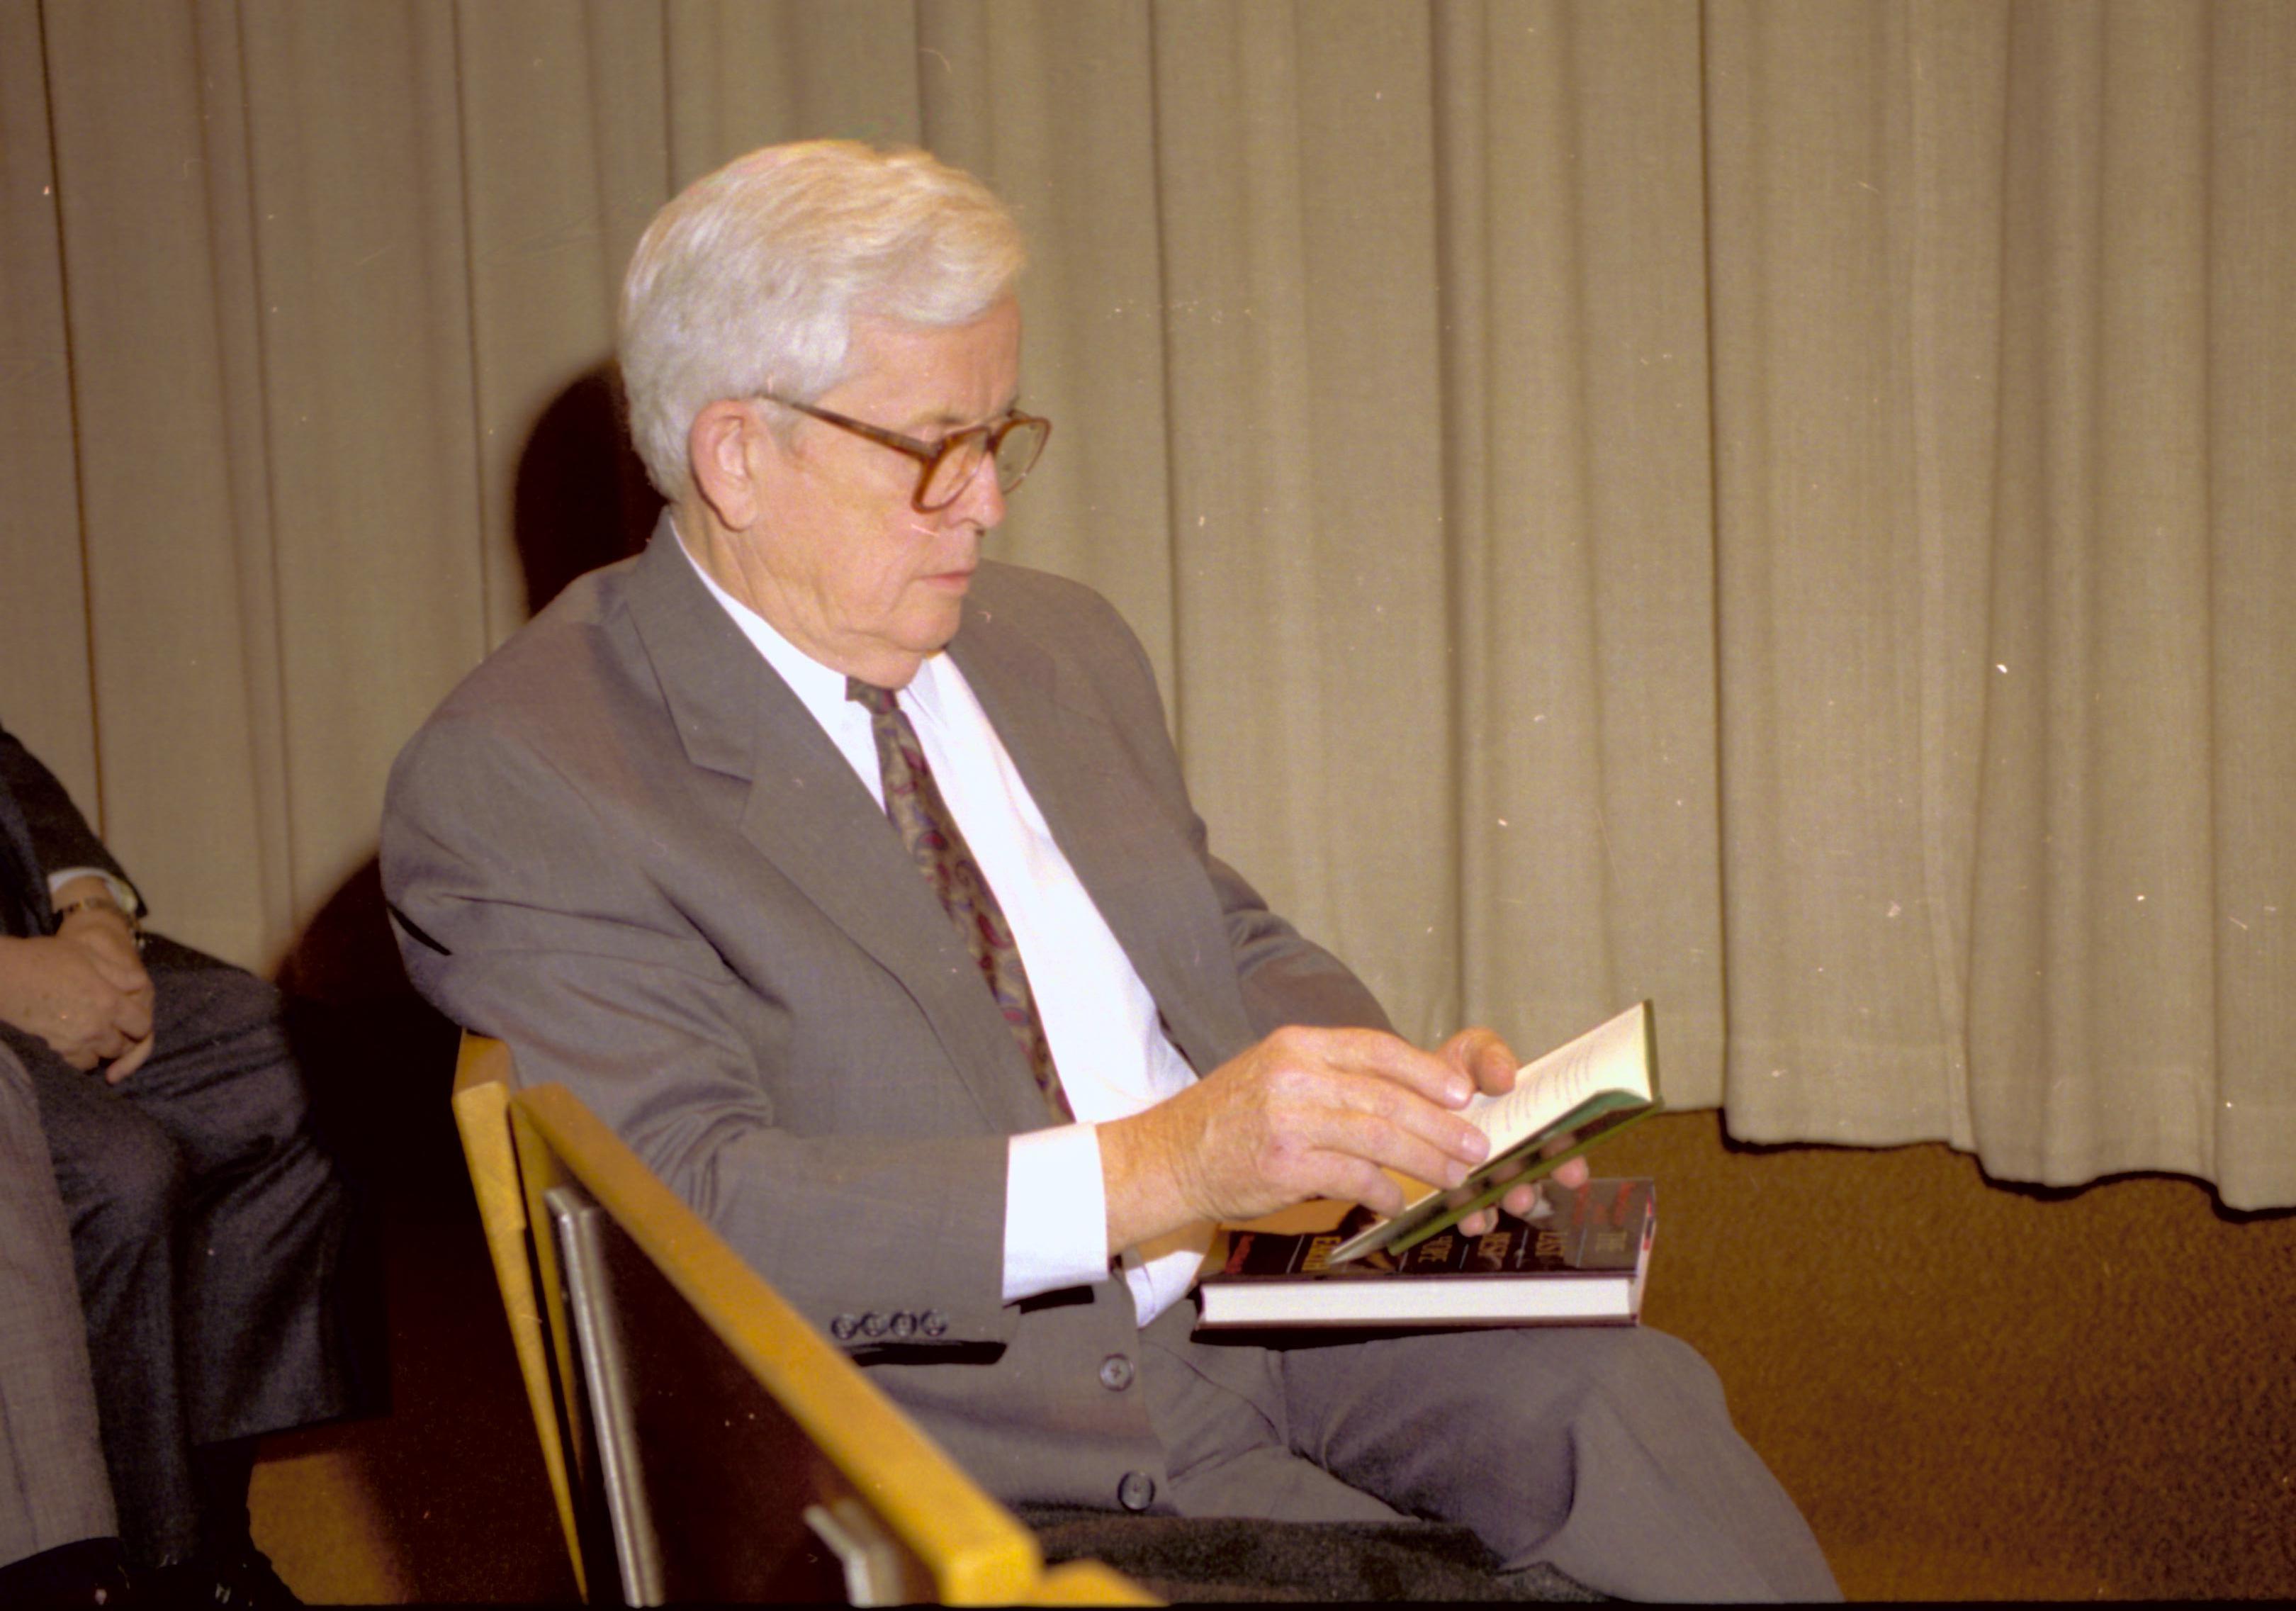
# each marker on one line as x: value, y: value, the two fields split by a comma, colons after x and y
x: 99, y: 903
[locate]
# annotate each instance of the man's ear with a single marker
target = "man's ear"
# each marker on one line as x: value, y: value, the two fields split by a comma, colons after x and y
x: 727, y: 450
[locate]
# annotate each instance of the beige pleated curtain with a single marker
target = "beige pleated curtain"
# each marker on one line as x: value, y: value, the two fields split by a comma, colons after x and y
x: 1786, y: 509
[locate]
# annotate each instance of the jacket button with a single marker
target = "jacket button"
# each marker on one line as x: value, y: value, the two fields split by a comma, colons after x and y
x: 1136, y: 1491
x: 934, y: 1323
x: 903, y: 1323
x: 843, y: 1328
x: 873, y: 1326
x: 1116, y: 1373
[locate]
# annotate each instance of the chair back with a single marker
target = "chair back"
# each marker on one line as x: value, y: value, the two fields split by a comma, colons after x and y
x: 481, y: 1102
x: 713, y: 1445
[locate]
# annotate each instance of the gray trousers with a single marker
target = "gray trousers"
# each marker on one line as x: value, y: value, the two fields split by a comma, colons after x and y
x: 1607, y: 1452
x: 53, y: 1490
x: 207, y: 1229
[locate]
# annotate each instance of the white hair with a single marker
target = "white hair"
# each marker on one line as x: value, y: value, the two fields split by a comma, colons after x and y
x: 750, y: 279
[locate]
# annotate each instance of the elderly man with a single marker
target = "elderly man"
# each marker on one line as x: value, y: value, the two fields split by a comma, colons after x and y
x: 206, y: 1222
x: 851, y: 878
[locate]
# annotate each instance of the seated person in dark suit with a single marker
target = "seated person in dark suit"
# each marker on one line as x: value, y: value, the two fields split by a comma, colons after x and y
x: 747, y: 840
x: 59, y: 1541
x: 207, y: 1223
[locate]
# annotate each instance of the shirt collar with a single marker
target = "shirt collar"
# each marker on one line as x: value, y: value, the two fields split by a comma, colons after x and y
x: 820, y: 689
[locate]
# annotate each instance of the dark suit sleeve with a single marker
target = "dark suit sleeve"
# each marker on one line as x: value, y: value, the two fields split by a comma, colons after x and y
x: 528, y: 912
x: 1284, y: 977
x: 59, y: 836
x: 1287, y: 978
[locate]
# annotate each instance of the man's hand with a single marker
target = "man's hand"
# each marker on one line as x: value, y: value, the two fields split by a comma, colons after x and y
x: 1482, y: 1056
x: 83, y: 990
x: 1307, y: 1113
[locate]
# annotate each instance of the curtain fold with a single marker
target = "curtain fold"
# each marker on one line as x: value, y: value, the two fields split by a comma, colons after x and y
x: 1579, y: 517
x: 2120, y: 873
x: 1780, y: 507
x: 1854, y: 202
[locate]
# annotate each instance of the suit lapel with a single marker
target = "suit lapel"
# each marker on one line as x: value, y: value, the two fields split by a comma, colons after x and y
x: 23, y: 892
x: 808, y: 815
x: 1108, y: 821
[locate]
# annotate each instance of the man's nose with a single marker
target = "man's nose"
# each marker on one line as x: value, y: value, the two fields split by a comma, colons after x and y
x: 982, y: 501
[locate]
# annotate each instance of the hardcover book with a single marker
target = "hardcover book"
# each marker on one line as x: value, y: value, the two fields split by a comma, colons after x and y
x: 1581, y: 1260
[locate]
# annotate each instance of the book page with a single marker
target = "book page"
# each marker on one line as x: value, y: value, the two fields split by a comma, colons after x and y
x: 1606, y: 1058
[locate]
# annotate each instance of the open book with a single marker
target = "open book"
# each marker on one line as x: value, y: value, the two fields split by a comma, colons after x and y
x: 1577, y: 1094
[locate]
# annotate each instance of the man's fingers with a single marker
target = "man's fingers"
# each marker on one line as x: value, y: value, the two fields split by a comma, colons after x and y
x: 1521, y: 1200
x: 1413, y: 1119
x: 83, y: 1049
x: 129, y: 1061
x: 1495, y: 1068
x: 1309, y: 1073
x: 112, y: 953
x: 1350, y: 1179
x: 131, y: 1016
x: 1573, y: 1174
x: 121, y: 972
x: 1375, y: 1052
x: 1305, y: 1113
x: 1439, y: 1160
x: 1484, y: 1057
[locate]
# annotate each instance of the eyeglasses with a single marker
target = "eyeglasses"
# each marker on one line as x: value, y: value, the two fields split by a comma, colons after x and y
x: 945, y: 468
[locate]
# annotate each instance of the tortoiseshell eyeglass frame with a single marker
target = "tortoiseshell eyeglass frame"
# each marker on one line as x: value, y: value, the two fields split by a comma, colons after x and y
x: 930, y: 456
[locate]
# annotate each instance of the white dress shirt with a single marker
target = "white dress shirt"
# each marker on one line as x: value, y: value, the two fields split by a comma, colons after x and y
x: 1111, y: 1052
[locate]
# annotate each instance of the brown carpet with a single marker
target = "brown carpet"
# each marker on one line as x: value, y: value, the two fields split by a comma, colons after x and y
x: 1974, y: 1391
x: 1977, y: 1392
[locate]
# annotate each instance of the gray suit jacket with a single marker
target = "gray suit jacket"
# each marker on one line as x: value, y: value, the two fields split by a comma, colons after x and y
x: 624, y: 846
x: 52, y: 1487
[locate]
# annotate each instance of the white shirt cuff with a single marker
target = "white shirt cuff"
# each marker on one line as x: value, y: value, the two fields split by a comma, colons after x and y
x: 127, y: 897
x: 1055, y: 1211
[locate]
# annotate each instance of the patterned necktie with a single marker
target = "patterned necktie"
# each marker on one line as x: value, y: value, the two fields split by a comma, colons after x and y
x: 936, y: 844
